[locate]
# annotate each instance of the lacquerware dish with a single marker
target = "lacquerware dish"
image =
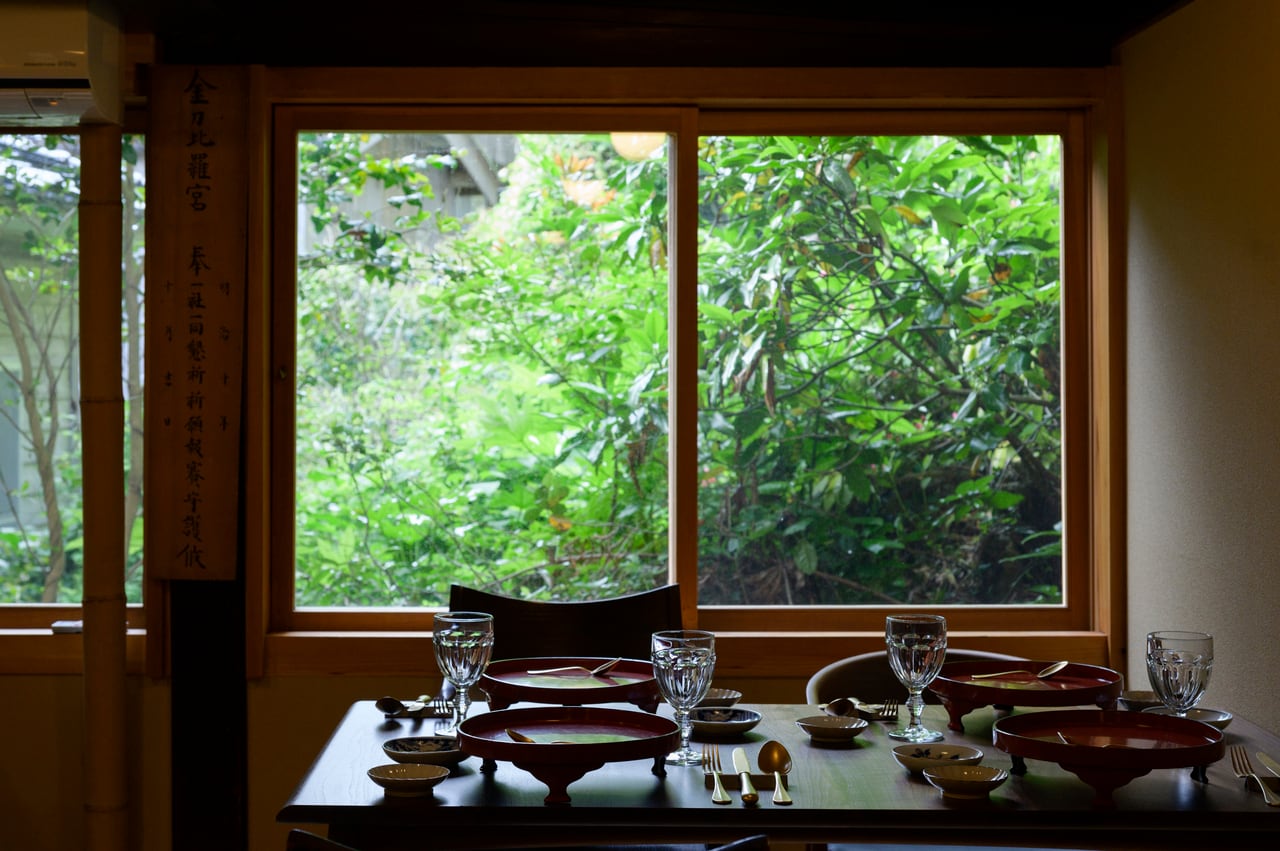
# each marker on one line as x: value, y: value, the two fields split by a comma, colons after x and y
x: 508, y: 681
x: 721, y: 697
x: 1219, y: 718
x: 831, y: 729
x: 713, y: 722
x: 965, y: 781
x: 401, y: 780
x: 568, y: 741
x: 1075, y: 685
x: 1108, y: 748
x: 424, y: 750
x: 916, y: 758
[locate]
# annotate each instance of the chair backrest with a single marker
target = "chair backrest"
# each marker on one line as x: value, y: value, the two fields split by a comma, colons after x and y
x: 305, y: 840
x: 867, y: 676
x: 616, y: 626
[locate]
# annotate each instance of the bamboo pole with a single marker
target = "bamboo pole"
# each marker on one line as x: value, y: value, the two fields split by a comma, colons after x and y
x: 102, y: 428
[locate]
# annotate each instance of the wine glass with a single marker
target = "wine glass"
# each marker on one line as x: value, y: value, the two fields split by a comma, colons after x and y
x: 463, y: 642
x: 917, y: 644
x: 684, y: 661
x: 1178, y: 665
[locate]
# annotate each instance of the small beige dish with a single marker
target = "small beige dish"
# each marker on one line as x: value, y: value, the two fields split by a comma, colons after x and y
x: 407, y: 780
x: 721, y: 697
x: 1219, y: 718
x: 425, y: 750
x: 712, y: 722
x: 1137, y: 701
x: 916, y: 758
x: 965, y: 781
x: 830, y: 729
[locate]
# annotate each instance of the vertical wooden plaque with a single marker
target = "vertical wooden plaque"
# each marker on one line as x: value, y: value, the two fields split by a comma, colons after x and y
x: 197, y: 175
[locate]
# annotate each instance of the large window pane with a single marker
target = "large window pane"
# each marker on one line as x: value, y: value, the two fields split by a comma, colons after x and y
x: 41, y: 501
x: 880, y: 333
x: 482, y: 366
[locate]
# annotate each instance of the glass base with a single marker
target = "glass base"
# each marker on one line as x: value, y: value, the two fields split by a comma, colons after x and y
x: 684, y: 756
x: 915, y: 735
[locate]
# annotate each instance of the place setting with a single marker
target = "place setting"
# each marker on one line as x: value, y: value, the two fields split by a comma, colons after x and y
x: 1108, y: 748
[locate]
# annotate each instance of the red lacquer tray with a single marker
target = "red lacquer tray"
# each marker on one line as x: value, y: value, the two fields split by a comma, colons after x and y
x: 1107, y: 748
x: 1075, y: 685
x: 569, y: 741
x: 508, y: 681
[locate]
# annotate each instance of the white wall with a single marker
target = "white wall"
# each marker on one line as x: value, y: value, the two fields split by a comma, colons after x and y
x: 1202, y: 121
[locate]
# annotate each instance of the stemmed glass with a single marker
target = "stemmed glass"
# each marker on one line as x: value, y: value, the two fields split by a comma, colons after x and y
x: 684, y: 661
x: 1178, y: 665
x: 917, y: 644
x: 463, y: 642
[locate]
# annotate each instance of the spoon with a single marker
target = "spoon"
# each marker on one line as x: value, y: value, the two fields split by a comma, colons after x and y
x: 841, y: 707
x: 1047, y: 672
x: 521, y: 737
x: 598, y: 671
x: 775, y: 757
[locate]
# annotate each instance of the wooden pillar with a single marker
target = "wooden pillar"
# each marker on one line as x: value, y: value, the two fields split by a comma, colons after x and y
x: 102, y: 428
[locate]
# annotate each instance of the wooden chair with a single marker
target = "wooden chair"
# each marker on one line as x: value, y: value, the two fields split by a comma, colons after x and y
x: 868, y: 676
x: 616, y: 626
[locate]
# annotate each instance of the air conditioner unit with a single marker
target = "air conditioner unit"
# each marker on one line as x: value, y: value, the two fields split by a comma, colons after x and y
x: 59, y: 64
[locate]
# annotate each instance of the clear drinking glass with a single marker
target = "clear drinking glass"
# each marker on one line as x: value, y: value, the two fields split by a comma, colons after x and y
x: 463, y: 642
x: 1178, y: 665
x: 684, y: 661
x: 917, y: 644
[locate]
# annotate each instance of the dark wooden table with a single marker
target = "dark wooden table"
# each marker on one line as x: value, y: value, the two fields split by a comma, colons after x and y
x: 842, y: 794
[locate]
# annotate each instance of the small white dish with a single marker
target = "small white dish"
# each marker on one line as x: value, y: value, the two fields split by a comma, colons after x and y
x: 407, y: 780
x: 830, y: 729
x: 1219, y: 718
x: 721, y: 697
x: 716, y: 721
x: 424, y: 750
x: 916, y: 758
x: 965, y: 781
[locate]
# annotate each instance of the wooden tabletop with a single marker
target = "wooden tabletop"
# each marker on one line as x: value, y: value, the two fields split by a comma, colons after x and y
x: 856, y: 793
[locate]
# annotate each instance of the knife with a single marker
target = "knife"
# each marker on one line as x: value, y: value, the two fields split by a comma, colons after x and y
x: 743, y: 767
x: 1271, y: 764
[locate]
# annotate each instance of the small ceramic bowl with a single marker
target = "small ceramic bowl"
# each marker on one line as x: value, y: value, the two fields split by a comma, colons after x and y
x: 1137, y: 701
x: 831, y: 728
x: 721, y: 697
x: 719, y: 722
x: 916, y: 758
x: 965, y: 781
x: 425, y: 750
x: 1219, y: 718
x: 407, y: 780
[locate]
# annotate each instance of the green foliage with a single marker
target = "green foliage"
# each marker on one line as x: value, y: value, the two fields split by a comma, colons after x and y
x: 879, y: 325
x: 483, y: 400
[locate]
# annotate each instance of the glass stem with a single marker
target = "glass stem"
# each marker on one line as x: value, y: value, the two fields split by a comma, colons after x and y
x: 685, y: 722
x: 463, y: 707
x: 915, y: 705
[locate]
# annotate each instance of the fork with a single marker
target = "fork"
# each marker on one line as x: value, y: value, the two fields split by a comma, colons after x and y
x: 711, y: 764
x: 888, y: 711
x: 1243, y: 768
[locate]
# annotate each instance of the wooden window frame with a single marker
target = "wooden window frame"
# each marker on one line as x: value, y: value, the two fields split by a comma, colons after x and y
x: 1073, y: 103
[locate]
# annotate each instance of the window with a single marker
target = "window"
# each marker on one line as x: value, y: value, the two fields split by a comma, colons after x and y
x: 42, y: 507
x: 810, y: 265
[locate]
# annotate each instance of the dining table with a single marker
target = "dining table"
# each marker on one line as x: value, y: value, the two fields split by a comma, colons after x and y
x: 852, y: 791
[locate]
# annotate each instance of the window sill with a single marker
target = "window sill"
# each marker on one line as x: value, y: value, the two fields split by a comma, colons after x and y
x: 41, y: 651
x: 740, y: 655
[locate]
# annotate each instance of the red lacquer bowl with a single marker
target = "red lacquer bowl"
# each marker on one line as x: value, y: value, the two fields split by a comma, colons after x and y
x: 1075, y: 685
x: 568, y: 741
x: 508, y: 681
x: 1108, y: 748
